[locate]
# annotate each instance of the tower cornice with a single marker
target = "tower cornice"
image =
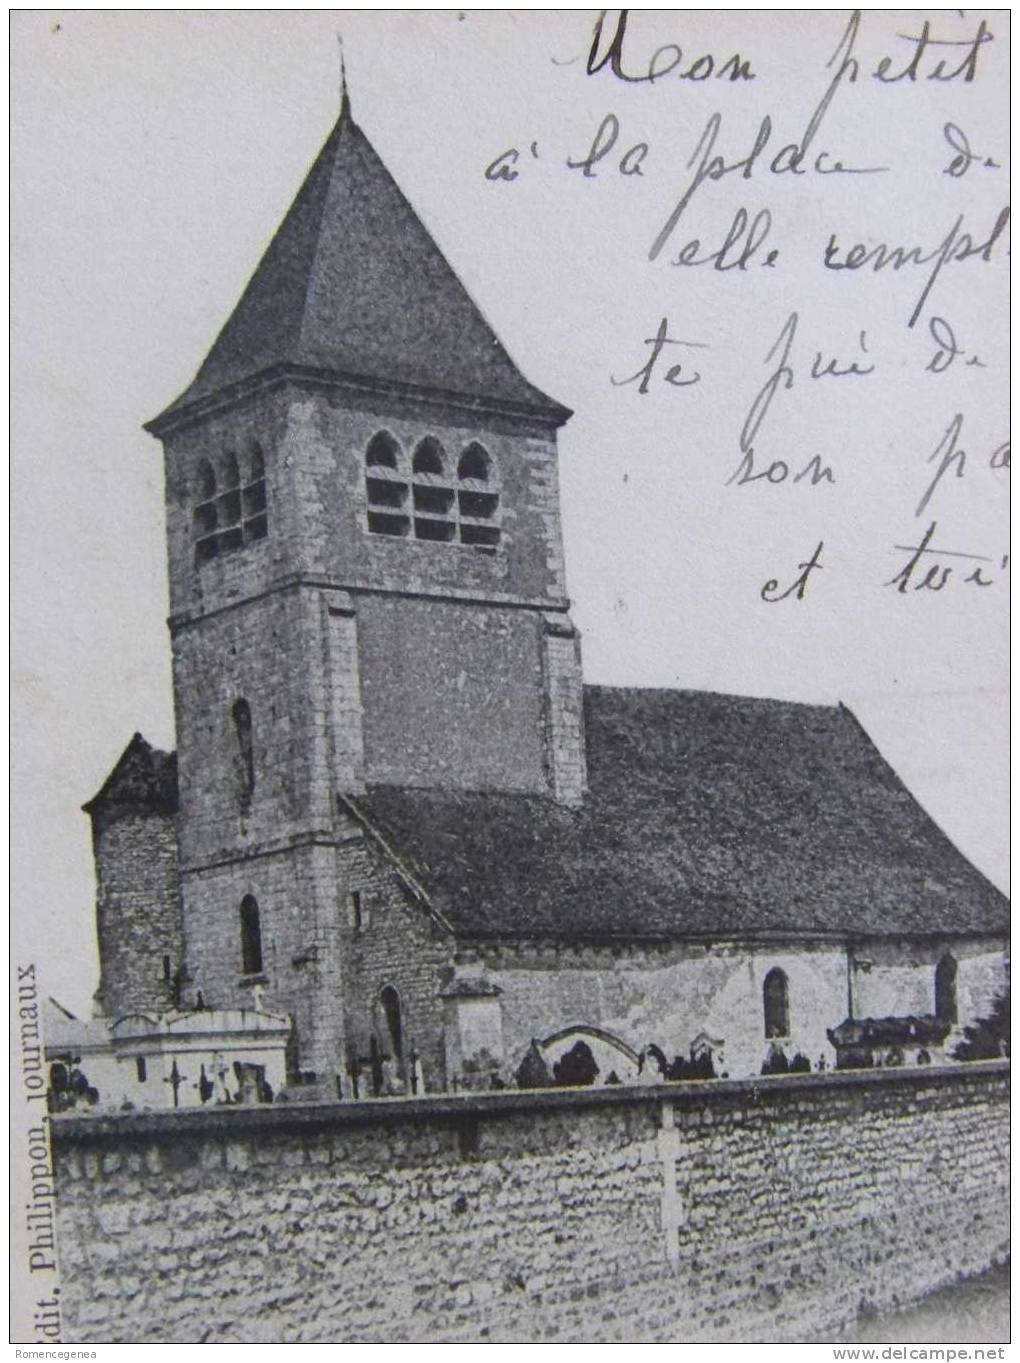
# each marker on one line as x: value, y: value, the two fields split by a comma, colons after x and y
x: 355, y: 388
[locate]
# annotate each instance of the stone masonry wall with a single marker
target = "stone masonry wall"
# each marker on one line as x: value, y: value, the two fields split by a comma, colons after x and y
x: 774, y: 1210
x: 138, y: 911
x: 396, y: 943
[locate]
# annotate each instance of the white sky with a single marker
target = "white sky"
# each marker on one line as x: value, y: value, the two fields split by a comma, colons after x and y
x: 155, y: 153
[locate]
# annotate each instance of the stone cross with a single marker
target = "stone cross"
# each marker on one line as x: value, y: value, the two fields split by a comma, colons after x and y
x: 175, y: 1080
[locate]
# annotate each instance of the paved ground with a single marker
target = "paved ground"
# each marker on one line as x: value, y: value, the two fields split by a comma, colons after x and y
x: 975, y: 1311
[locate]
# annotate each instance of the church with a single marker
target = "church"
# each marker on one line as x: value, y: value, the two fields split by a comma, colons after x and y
x: 402, y: 848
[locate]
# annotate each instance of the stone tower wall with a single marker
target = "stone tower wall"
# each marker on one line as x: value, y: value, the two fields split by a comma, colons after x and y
x: 138, y: 911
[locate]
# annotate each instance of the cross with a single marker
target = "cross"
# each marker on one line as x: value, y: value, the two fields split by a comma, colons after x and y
x: 175, y: 1080
x: 375, y: 1060
x: 354, y: 1069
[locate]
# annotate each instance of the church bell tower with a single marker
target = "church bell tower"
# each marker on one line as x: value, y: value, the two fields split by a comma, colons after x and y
x: 366, y: 576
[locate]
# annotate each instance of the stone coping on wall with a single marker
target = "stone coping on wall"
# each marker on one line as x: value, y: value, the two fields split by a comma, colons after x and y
x: 230, y: 1121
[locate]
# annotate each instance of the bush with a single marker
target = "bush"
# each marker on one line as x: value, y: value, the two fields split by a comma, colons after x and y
x: 533, y: 1072
x: 577, y: 1068
x: 988, y: 1038
x: 776, y: 1061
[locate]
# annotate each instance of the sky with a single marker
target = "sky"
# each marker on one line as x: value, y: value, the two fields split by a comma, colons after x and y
x: 153, y: 156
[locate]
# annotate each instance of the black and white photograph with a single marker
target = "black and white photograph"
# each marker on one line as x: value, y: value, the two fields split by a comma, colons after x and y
x: 510, y: 566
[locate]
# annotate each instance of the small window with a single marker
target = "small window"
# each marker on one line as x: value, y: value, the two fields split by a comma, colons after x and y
x: 477, y: 501
x: 206, y: 516
x: 206, y: 481
x: 945, y: 989
x: 474, y: 464
x: 777, y: 1004
x: 254, y: 521
x: 251, y: 937
x: 386, y: 490
x: 428, y: 457
x: 140, y: 1068
x: 241, y: 713
x: 434, y: 510
x: 166, y: 969
x: 358, y: 915
x: 390, y: 1001
x: 383, y: 451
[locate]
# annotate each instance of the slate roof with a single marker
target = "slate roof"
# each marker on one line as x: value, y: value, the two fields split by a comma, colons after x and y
x: 707, y: 816
x: 353, y: 284
x: 143, y: 780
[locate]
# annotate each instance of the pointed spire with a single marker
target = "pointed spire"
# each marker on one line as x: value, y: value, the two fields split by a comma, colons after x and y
x: 345, y: 103
x: 353, y: 285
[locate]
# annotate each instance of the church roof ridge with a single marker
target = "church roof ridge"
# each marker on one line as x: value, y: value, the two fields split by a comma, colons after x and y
x: 353, y: 284
x: 665, y: 693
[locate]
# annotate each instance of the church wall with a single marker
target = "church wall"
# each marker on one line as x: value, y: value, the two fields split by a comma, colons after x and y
x: 138, y: 912
x: 270, y: 653
x: 452, y: 695
x: 898, y: 978
x: 395, y: 943
x: 668, y: 995
x: 299, y: 911
x: 777, y: 1209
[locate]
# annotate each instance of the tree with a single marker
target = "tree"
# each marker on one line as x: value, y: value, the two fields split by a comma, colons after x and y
x: 987, y: 1038
x: 533, y: 1072
x: 577, y: 1068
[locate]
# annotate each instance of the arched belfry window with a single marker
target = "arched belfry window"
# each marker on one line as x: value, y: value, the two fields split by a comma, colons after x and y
x: 945, y: 989
x: 386, y: 487
x: 255, y: 523
x: 230, y: 503
x: 241, y: 715
x: 776, y: 998
x: 434, y: 513
x: 428, y: 457
x: 206, y: 518
x: 474, y: 463
x: 383, y: 452
x: 251, y: 937
x: 477, y: 499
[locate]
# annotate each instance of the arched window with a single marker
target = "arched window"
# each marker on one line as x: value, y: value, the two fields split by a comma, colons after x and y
x: 254, y: 522
x: 428, y: 457
x: 389, y: 1001
x: 433, y: 495
x: 241, y: 713
x: 206, y: 481
x: 383, y: 451
x: 386, y: 488
x: 776, y: 995
x: 945, y: 989
x: 477, y: 502
x: 251, y: 937
x: 229, y: 503
x: 206, y: 516
x: 474, y: 463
